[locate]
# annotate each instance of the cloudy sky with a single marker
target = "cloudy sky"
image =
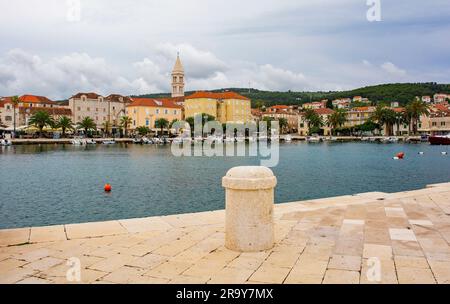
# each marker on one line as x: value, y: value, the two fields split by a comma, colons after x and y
x: 129, y: 47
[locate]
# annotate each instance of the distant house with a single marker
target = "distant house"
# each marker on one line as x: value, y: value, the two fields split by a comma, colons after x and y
x: 286, y: 112
x: 441, y: 98
x: 426, y: 99
x: 315, y: 105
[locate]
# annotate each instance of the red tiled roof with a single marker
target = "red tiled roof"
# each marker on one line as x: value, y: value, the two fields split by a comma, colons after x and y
x: 324, y: 111
x: 224, y: 95
x: 362, y: 109
x: 35, y: 99
x: 399, y: 109
x: 279, y: 107
x: 88, y: 95
x: 151, y: 102
x: 442, y: 107
x: 51, y: 111
x: 118, y: 98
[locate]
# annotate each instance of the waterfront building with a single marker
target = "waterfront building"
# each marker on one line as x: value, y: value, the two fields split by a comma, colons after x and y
x: 26, y: 107
x: 256, y: 114
x: 358, y: 115
x: 225, y: 107
x: 144, y: 112
x: 437, y: 123
x: 343, y: 103
x: 100, y: 109
x: 303, y: 129
x: 178, y: 79
x: 287, y: 112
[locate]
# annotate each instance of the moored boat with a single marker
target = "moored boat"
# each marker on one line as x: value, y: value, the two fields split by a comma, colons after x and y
x: 439, y: 139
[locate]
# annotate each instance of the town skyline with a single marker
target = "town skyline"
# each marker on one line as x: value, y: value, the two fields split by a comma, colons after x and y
x: 320, y: 46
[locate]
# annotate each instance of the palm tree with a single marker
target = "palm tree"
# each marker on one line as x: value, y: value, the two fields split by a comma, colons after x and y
x: 337, y: 119
x: 416, y: 109
x: 15, y: 101
x: 283, y: 124
x: 161, y: 123
x: 65, y: 123
x: 107, y: 127
x: 125, y: 122
x: 384, y: 116
x: 40, y: 119
x: 313, y: 120
x: 400, y: 119
x: 87, y: 124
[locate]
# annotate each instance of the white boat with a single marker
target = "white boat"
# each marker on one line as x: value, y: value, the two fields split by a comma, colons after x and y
x: 198, y: 139
x: 5, y: 142
x: 109, y: 142
x: 240, y: 139
x: 90, y: 141
x: 137, y: 140
x: 147, y: 141
x: 228, y: 139
x: 288, y: 138
x: 313, y: 139
x: 77, y: 142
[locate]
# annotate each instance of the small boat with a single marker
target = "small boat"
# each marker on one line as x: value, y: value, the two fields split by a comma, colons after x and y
x: 90, y: 141
x: 109, y: 142
x: 5, y: 142
x: 77, y: 142
x: 313, y: 139
x: 288, y: 138
x: 240, y: 139
x: 147, y: 141
x: 228, y: 139
x: 439, y: 139
x: 137, y: 140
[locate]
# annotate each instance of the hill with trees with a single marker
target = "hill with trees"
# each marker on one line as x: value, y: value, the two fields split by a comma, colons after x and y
x: 400, y: 92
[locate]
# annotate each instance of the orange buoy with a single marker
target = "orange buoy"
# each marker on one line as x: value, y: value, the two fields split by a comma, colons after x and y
x: 108, y: 188
x: 400, y: 155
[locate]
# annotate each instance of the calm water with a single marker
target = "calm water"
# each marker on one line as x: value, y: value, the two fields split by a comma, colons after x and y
x: 54, y: 184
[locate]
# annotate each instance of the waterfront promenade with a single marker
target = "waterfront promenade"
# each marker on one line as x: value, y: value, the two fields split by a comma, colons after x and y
x: 332, y: 240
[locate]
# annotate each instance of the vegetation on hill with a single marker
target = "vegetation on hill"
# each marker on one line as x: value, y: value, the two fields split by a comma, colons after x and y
x: 400, y: 92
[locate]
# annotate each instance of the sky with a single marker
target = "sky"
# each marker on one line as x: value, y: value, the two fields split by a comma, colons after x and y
x: 57, y: 48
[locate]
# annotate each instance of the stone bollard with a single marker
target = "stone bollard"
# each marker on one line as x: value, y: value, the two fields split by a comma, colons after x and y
x: 249, y: 208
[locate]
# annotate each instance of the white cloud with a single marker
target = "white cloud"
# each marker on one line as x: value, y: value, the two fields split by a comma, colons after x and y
x: 393, y: 69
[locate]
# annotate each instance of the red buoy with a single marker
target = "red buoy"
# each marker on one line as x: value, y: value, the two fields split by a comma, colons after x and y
x: 400, y: 155
x: 108, y: 188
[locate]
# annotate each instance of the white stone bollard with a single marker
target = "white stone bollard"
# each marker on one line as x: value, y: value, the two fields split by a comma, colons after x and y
x: 249, y: 208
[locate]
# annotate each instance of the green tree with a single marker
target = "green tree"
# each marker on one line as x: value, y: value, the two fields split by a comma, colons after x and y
x: 313, y: 120
x: 414, y: 110
x: 283, y: 123
x: 205, y: 118
x: 161, y: 123
x: 337, y: 119
x: 401, y: 118
x: 87, y: 124
x: 40, y: 120
x: 143, y: 130
x: 125, y: 122
x: 15, y: 101
x: 384, y: 116
x: 107, y: 128
x: 65, y: 123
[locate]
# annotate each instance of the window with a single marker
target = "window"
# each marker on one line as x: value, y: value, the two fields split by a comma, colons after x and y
x: 134, y: 122
x: 96, y: 109
x: 8, y: 118
x: 88, y: 109
x: 147, y: 122
x: 166, y: 111
x: 434, y: 124
x: 175, y: 112
x: 78, y: 108
x: 157, y: 111
x: 442, y: 123
x: 96, y: 117
x: 302, y: 125
x: 8, y: 107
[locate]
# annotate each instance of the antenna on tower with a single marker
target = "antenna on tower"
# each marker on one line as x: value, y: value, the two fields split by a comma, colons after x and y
x: 249, y: 86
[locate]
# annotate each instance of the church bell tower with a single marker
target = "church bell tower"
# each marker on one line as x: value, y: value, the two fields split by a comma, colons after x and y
x: 178, y: 79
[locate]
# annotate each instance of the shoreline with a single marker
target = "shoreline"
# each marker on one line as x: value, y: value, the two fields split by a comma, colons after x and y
x: 64, y: 141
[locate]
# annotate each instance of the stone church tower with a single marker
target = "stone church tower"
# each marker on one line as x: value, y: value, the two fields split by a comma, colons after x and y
x: 178, y: 79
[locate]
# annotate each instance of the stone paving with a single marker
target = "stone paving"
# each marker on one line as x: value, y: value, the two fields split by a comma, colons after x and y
x: 366, y: 238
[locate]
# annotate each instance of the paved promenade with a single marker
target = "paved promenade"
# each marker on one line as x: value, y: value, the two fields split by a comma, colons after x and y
x: 366, y: 238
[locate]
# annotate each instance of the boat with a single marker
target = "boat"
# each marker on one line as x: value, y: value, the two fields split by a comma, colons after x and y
x: 313, y: 139
x: 76, y: 142
x: 137, y: 140
x: 90, y: 141
x: 147, y: 141
x: 109, y: 142
x: 240, y: 139
x: 439, y: 139
x: 5, y: 142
